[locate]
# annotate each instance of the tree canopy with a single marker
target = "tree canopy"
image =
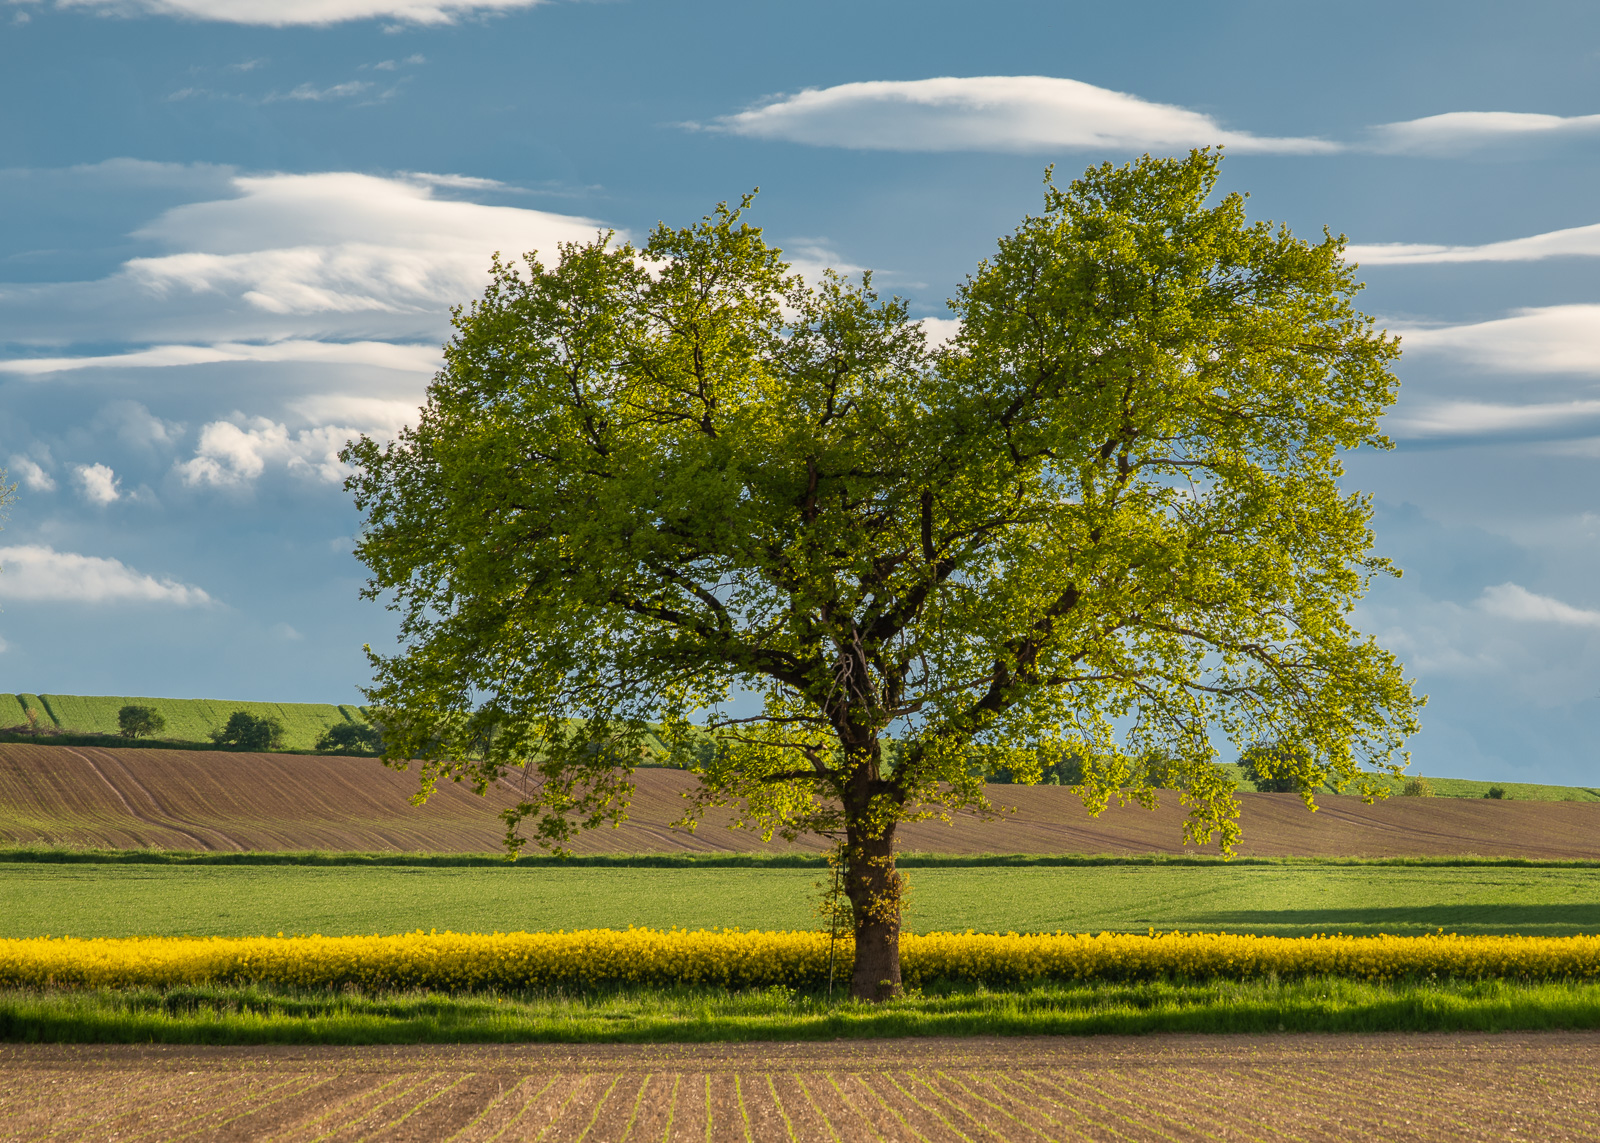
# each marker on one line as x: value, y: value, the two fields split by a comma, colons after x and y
x: 135, y: 721
x: 246, y: 731
x: 1101, y: 525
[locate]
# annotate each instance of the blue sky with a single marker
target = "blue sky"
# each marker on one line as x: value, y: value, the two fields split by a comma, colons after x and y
x: 231, y: 231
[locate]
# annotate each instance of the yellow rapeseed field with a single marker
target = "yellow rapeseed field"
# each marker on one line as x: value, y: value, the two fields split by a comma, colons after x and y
x: 737, y: 959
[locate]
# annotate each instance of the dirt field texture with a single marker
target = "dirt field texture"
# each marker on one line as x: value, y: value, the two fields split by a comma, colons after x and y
x: 204, y: 800
x: 1400, y: 1087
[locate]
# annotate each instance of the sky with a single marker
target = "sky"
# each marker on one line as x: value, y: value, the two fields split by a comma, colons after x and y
x: 231, y: 232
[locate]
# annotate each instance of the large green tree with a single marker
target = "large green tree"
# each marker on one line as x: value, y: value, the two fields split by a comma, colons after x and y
x: 1103, y: 523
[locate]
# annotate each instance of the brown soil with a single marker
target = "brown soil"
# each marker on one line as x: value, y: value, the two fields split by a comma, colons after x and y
x: 173, y: 799
x: 1391, y: 1087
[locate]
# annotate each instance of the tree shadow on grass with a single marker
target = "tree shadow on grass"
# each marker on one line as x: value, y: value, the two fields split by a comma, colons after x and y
x: 1540, y: 920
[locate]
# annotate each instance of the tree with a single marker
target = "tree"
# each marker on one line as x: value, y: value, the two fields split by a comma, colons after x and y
x: 246, y: 731
x: 137, y: 721
x: 350, y: 738
x: 1102, y: 521
x: 1274, y: 768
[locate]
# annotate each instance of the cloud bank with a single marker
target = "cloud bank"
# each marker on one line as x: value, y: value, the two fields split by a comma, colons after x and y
x: 41, y: 574
x: 287, y: 13
x: 1018, y: 113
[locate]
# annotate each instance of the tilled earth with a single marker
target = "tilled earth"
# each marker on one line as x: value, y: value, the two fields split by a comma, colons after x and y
x: 1390, y: 1087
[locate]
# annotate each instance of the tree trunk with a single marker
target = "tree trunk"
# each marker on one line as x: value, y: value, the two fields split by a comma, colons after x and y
x: 875, y: 889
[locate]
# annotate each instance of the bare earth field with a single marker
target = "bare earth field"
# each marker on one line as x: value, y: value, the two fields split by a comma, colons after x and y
x: 204, y: 800
x: 1393, y: 1087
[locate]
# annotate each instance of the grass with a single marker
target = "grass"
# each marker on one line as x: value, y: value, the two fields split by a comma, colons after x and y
x: 255, y: 1015
x: 1279, y: 899
x: 188, y: 720
x: 47, y: 854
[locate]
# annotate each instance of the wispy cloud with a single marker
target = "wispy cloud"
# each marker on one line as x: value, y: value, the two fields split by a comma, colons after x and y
x: 287, y: 13
x: 33, y: 477
x: 1459, y: 132
x: 311, y: 93
x: 1018, y: 113
x: 40, y: 573
x: 1478, y: 419
x: 1573, y: 242
x: 383, y: 354
x: 1510, y: 601
x: 1548, y: 339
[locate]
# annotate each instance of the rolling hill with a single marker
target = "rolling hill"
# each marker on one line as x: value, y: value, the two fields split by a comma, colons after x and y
x: 96, y: 797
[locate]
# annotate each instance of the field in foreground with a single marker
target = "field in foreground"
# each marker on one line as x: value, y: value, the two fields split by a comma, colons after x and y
x: 205, y: 800
x: 1420, y: 1087
x: 91, y: 900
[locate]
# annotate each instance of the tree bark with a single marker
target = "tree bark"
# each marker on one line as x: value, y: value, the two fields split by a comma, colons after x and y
x: 875, y: 889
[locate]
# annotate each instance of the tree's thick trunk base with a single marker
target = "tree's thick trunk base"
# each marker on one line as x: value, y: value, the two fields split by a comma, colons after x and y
x: 877, y: 970
x: 875, y: 889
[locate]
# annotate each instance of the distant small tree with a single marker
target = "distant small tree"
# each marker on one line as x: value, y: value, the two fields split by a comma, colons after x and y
x: 351, y: 738
x: 246, y: 731
x: 1418, y: 787
x: 1496, y: 792
x: 1275, y: 768
x: 138, y: 721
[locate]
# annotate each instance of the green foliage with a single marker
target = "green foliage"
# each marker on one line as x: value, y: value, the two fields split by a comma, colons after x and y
x: 1279, y: 768
x: 139, y: 721
x: 1102, y: 522
x: 246, y: 731
x: 1418, y: 787
x: 351, y: 738
x: 1496, y: 792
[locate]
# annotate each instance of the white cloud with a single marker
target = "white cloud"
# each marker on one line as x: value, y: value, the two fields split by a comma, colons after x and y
x: 285, y: 13
x: 98, y: 483
x: 1575, y: 242
x: 39, y: 573
x: 1509, y: 601
x: 812, y: 257
x: 284, y: 258
x: 1456, y: 132
x: 136, y: 425
x: 343, y: 243
x: 235, y: 453
x: 311, y: 93
x: 1550, y: 339
x: 939, y: 330
x: 383, y: 354
x: 1025, y: 113
x: 1485, y: 418
x: 33, y: 477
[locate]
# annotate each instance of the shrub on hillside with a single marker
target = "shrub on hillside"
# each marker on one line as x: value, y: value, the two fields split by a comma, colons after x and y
x: 350, y: 738
x: 1417, y: 787
x: 1495, y: 792
x: 1270, y: 767
x: 246, y: 731
x: 138, y: 721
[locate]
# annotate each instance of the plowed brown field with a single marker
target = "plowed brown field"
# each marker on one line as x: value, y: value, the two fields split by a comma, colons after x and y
x: 1396, y: 1087
x: 203, y: 800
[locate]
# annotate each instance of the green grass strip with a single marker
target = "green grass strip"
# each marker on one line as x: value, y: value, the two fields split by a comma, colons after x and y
x: 62, y: 855
x: 267, y: 1016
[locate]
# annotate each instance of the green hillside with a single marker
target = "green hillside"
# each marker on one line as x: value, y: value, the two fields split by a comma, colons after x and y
x: 188, y: 720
